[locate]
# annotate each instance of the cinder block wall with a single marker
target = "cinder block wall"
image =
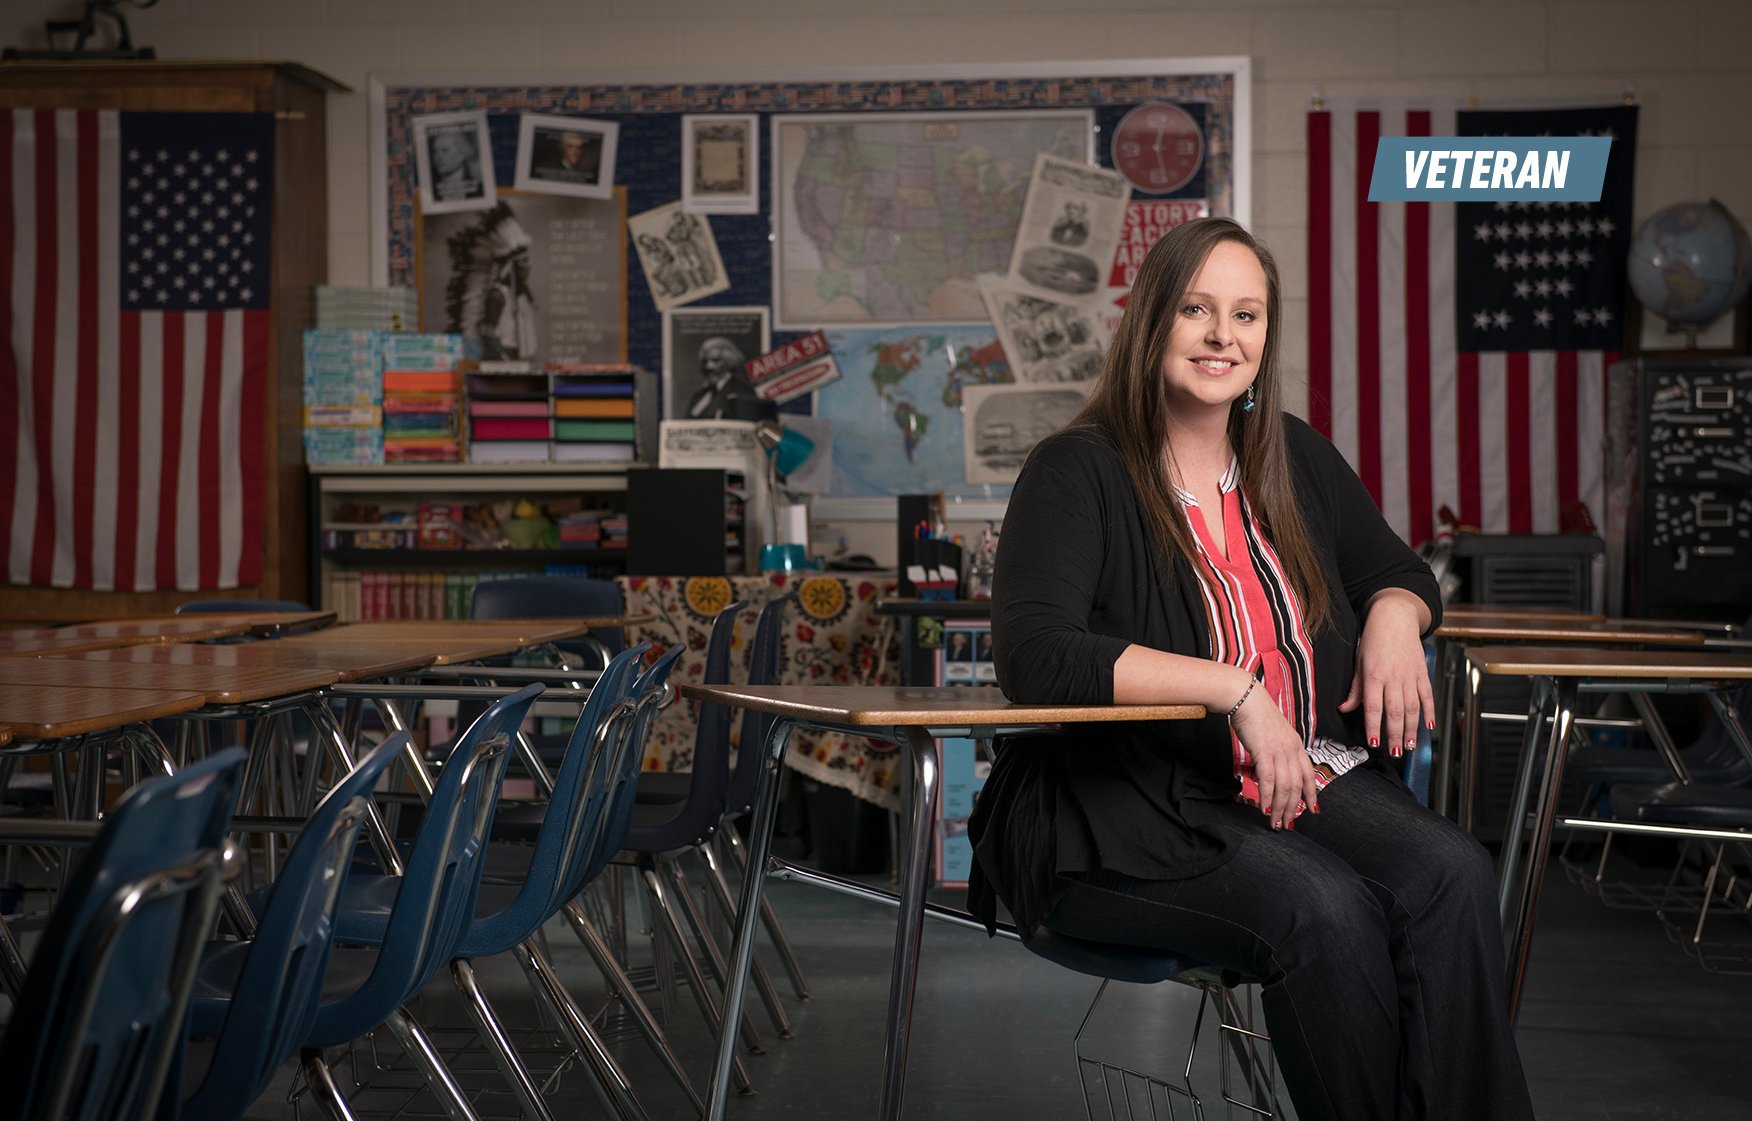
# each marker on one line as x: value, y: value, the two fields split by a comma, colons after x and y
x: 1687, y: 60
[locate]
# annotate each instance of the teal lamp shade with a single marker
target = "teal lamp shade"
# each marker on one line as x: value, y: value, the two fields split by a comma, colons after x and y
x: 786, y: 447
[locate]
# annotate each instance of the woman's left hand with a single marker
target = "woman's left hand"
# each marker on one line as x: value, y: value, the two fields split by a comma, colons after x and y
x: 1392, y: 682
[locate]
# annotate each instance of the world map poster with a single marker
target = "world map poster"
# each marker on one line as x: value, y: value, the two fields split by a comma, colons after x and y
x: 896, y: 412
x: 887, y: 219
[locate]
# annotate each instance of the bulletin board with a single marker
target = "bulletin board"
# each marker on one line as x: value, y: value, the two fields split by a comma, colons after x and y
x: 949, y: 363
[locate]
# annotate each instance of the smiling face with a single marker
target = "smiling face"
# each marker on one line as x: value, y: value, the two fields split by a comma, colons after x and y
x: 1219, y: 333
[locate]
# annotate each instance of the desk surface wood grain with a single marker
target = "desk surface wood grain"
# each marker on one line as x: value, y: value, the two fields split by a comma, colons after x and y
x: 1512, y: 628
x: 55, y: 713
x: 158, y: 667
x: 886, y: 706
x: 349, y: 661
x: 1584, y: 662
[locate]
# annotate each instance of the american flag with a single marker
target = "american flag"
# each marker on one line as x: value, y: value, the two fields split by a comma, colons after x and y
x: 1457, y: 354
x: 134, y: 286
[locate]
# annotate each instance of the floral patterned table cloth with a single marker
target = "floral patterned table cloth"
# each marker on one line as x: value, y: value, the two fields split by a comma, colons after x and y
x: 831, y: 636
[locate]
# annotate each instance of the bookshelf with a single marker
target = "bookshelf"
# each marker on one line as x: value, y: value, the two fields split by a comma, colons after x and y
x: 389, y: 543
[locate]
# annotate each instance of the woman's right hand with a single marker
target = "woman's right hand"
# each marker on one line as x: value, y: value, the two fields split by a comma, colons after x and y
x: 1280, y: 760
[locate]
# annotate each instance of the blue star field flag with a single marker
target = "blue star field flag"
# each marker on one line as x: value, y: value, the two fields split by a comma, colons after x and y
x: 1546, y: 276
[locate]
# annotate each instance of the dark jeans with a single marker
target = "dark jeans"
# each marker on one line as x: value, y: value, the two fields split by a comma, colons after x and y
x: 1373, y: 927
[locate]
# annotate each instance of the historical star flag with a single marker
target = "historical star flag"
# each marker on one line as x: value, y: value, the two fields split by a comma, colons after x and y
x: 134, y: 283
x: 1457, y: 354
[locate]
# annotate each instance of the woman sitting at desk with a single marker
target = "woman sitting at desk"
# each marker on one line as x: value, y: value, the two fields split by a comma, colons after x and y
x: 1184, y: 541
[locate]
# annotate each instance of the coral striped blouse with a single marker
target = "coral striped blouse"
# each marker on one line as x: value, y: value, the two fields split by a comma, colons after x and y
x: 1256, y: 623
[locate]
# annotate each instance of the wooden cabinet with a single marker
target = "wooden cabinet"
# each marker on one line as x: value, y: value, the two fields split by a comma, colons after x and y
x: 294, y: 94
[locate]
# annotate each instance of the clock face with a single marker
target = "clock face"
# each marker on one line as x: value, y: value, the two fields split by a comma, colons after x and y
x: 1158, y: 147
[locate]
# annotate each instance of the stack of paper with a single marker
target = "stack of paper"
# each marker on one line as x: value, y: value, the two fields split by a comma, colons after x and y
x: 508, y: 413
x: 595, y: 411
x: 421, y: 413
x: 343, y: 397
x: 375, y: 309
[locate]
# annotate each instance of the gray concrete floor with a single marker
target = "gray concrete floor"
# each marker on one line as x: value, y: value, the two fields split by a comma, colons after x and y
x: 1617, y: 1023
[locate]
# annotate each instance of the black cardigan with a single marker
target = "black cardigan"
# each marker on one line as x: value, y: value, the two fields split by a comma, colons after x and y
x: 1078, y: 580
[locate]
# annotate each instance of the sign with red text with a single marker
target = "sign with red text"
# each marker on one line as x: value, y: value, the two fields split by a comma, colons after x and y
x: 1145, y: 223
x: 794, y: 369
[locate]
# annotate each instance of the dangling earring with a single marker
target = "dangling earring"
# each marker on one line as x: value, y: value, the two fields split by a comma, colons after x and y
x: 1247, y: 405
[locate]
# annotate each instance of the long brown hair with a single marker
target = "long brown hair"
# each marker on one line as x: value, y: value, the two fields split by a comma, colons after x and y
x: 1130, y: 404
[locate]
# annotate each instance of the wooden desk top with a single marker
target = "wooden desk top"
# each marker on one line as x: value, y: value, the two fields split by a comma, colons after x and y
x: 164, y: 668
x: 1504, y: 628
x: 48, y: 714
x: 887, y: 706
x: 528, y: 632
x: 348, y: 661
x: 265, y: 623
x: 339, y: 647
x: 1580, y: 661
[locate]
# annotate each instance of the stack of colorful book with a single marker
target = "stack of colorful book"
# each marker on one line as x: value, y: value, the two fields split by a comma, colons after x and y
x: 595, y: 413
x: 421, y: 413
x: 614, y: 531
x: 508, y: 414
x: 343, y: 397
x: 374, y: 309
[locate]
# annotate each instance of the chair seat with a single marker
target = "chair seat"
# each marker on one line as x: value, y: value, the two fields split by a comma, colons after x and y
x: 1641, y: 765
x: 1724, y: 807
x: 663, y: 787
x: 1139, y: 965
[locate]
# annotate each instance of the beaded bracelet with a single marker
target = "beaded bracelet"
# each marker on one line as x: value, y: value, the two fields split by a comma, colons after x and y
x: 1248, y: 692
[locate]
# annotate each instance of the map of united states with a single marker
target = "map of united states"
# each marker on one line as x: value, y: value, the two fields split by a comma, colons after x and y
x: 890, y: 221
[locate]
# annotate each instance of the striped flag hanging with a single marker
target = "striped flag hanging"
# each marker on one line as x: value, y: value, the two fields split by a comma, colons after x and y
x: 134, y: 288
x: 1457, y: 355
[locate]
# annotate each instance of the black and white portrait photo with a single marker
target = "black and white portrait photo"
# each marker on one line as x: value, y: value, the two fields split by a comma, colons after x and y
x: 454, y: 161
x: 566, y: 155
x: 704, y: 355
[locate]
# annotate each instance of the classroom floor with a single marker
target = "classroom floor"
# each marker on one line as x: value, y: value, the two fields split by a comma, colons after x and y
x: 1617, y: 1023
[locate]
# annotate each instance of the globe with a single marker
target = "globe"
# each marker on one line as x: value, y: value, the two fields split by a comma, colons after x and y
x: 1690, y: 262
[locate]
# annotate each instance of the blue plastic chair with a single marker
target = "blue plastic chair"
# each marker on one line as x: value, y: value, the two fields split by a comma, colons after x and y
x: 256, y: 999
x: 98, y: 1030
x: 417, y: 919
x: 222, y: 606
x: 545, y: 597
x: 578, y: 831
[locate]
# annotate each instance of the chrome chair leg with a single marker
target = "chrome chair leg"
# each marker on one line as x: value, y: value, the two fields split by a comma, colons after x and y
x: 607, y: 1077
x: 622, y: 987
x: 420, y: 1049
x: 323, y: 1087
x: 732, y: 844
x: 498, y: 1042
x: 683, y: 894
x: 669, y: 929
x: 720, y: 891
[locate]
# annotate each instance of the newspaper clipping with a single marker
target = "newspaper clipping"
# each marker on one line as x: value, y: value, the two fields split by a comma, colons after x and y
x: 1069, y: 232
x: 1002, y: 423
x: 1045, y: 340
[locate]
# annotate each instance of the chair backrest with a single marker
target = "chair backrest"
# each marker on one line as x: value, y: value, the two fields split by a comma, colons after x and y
x: 213, y: 606
x: 98, y: 1029
x: 545, y: 597
x: 763, y: 669
x: 623, y: 787
x: 279, y: 986
x: 573, y: 816
x: 441, y: 878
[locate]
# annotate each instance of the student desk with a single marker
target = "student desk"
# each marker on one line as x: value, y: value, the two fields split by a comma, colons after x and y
x: 41, y: 714
x: 1559, y: 674
x: 912, y: 719
x: 1455, y: 689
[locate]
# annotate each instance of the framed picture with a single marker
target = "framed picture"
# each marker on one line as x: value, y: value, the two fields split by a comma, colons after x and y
x: 536, y: 277
x: 965, y: 657
x: 454, y: 162
x: 566, y: 155
x: 704, y: 351
x: 720, y: 164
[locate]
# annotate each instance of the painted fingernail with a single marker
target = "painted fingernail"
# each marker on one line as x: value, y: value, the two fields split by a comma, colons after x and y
x: 1411, y: 743
x: 1430, y: 725
x: 1374, y: 742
